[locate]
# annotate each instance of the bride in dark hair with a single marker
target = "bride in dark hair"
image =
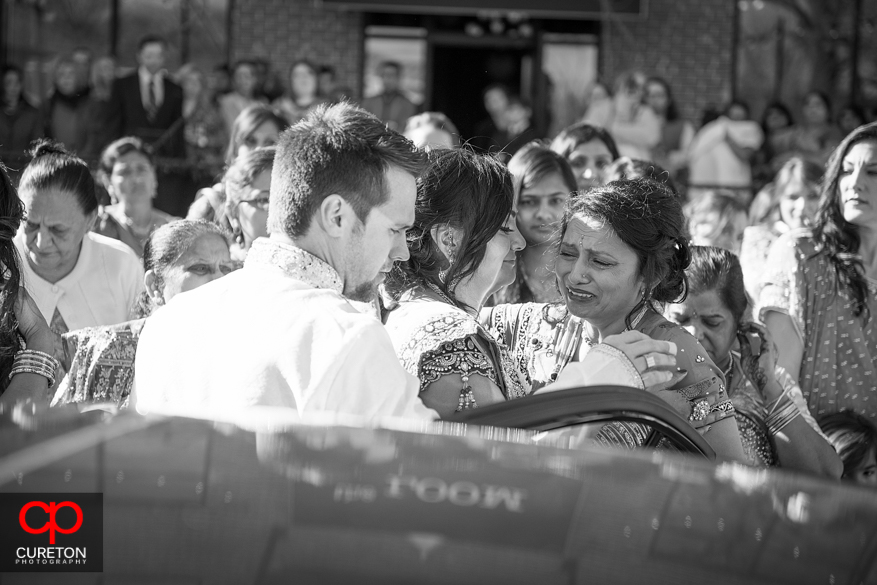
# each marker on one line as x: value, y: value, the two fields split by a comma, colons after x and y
x: 24, y: 373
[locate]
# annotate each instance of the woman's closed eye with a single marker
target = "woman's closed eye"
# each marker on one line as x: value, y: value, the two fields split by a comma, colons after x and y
x: 200, y: 269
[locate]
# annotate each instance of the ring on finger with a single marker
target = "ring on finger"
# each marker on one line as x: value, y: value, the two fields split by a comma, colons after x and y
x: 650, y: 362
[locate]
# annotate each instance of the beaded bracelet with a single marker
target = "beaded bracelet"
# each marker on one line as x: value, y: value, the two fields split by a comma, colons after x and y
x: 31, y: 361
x: 778, y: 420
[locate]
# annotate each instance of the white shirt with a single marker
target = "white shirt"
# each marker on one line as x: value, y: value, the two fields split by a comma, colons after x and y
x: 102, y: 288
x: 276, y: 333
x: 158, y: 83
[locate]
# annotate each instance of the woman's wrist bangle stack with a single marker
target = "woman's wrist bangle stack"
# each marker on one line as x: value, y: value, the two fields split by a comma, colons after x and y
x: 782, y: 416
x: 31, y: 361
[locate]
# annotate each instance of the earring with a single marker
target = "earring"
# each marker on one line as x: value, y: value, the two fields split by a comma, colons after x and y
x: 443, y: 273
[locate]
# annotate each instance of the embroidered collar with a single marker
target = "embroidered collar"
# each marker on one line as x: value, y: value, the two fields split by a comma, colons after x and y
x: 295, y: 262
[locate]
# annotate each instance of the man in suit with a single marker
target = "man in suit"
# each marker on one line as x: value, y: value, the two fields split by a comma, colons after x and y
x: 147, y: 104
x: 391, y: 106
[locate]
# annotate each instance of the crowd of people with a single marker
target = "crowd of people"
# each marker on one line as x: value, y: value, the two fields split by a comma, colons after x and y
x: 410, y: 273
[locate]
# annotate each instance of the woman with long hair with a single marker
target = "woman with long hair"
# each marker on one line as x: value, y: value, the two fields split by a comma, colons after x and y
x: 588, y: 149
x: 820, y: 292
x: 303, y: 92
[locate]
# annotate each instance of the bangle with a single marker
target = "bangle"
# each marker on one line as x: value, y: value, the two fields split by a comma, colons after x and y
x: 776, y: 421
x: 31, y: 361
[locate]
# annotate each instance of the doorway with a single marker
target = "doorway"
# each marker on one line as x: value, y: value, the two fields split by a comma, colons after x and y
x: 460, y: 74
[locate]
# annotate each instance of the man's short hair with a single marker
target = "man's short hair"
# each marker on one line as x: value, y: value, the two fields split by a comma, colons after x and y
x: 151, y: 39
x: 336, y: 149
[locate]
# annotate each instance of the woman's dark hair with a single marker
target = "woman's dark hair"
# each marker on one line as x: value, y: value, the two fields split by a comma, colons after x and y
x: 672, y: 108
x: 52, y: 167
x: 648, y: 218
x: 838, y: 237
x: 780, y: 107
x: 11, y: 214
x: 854, y: 110
x: 535, y: 161
x: 166, y: 245
x: 627, y: 169
x: 468, y: 191
x: 580, y: 133
x: 717, y: 269
x: 119, y: 148
x: 853, y: 437
x: 247, y: 122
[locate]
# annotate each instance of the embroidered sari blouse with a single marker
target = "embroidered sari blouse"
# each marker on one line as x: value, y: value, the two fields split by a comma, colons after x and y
x: 100, y: 364
x: 531, y: 332
x: 434, y: 338
x: 840, y: 350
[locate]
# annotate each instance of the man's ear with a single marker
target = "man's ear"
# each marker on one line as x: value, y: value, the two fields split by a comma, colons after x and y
x: 334, y: 215
x: 151, y: 282
x: 90, y: 220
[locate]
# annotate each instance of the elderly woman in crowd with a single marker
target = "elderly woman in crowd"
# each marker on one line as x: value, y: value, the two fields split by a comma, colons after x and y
x: 179, y: 256
x: 77, y: 278
x: 303, y: 92
x: 128, y: 173
x: 588, y: 150
x: 789, y: 203
x: 23, y: 373
x: 623, y: 251
x: 820, y: 291
x: 432, y: 130
x: 462, y: 244
x: 247, y: 186
x: 543, y: 181
x: 772, y: 416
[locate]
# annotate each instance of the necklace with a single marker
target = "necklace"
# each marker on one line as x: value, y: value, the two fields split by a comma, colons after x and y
x: 447, y: 299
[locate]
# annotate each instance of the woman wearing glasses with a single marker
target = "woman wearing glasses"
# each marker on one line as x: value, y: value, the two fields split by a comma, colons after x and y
x: 247, y: 183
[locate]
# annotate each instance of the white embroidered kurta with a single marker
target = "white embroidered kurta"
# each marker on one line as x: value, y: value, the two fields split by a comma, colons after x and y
x: 276, y: 333
x: 102, y: 288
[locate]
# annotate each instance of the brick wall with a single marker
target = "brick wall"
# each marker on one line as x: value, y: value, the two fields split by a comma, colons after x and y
x: 687, y: 42
x: 287, y: 30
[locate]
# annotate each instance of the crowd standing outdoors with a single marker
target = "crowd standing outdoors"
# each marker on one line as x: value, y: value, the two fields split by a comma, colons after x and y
x: 391, y: 267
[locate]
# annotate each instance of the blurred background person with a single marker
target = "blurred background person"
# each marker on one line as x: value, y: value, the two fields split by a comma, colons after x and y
x: 676, y: 134
x: 815, y: 136
x: 775, y: 120
x: 391, y: 105
x: 588, y: 150
x: 257, y: 126
x: 519, y: 127
x: 432, y: 130
x: 854, y: 437
x: 66, y: 111
x: 818, y: 295
x: 329, y: 89
x: 244, y: 93
x: 721, y: 153
x: 204, y: 131
x: 247, y: 190
x: 82, y: 62
x: 788, y: 203
x: 303, y: 92
x: 20, y: 122
x: 633, y: 125
x: 128, y: 173
x: 99, y: 130
x: 99, y: 361
x: 543, y: 182
x: 849, y: 118
x: 76, y: 277
x: 718, y: 219
x: 491, y: 133
x: 716, y: 313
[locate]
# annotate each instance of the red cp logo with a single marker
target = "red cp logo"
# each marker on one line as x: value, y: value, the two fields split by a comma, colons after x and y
x: 50, y: 525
